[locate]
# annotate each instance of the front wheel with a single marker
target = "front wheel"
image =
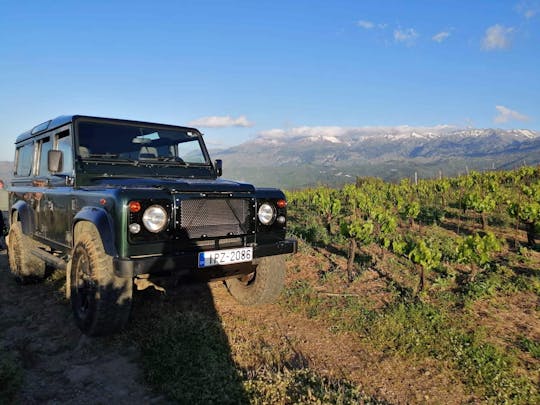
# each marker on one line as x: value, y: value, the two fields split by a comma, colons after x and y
x: 263, y: 285
x: 100, y: 300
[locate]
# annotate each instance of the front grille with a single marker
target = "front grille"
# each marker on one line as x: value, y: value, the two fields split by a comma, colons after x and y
x: 208, y: 218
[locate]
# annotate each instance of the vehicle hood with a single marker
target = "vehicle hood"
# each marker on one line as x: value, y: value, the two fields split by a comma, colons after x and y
x: 177, y: 185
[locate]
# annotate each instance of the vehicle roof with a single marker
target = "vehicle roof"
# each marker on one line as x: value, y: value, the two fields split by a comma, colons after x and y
x: 66, y: 119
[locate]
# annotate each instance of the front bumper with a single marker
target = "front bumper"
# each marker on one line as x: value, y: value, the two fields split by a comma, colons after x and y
x: 185, y: 263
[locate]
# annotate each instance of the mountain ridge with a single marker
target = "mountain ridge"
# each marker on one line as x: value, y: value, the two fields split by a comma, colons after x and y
x: 387, y: 152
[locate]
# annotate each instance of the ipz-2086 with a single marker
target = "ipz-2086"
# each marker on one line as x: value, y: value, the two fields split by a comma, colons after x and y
x: 224, y: 257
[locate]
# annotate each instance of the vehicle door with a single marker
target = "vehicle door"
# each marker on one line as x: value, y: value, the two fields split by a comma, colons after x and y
x: 22, y: 181
x: 55, y: 211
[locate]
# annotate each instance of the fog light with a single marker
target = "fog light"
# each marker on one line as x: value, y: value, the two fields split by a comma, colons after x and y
x: 280, y: 219
x: 134, y: 228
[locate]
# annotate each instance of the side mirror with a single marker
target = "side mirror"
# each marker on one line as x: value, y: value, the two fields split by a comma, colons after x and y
x: 219, y: 167
x: 54, y: 161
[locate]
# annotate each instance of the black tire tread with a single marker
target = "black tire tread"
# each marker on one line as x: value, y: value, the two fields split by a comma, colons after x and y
x: 113, y: 295
x: 267, y: 285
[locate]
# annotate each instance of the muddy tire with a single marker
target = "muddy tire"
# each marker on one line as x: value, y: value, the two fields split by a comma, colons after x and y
x: 263, y: 286
x: 25, y: 267
x: 100, y: 300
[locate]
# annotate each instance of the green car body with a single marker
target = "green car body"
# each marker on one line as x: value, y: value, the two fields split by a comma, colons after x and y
x: 154, y: 204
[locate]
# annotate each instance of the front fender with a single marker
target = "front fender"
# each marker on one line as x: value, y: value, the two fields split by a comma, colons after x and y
x: 25, y: 216
x: 269, y: 194
x: 103, y: 223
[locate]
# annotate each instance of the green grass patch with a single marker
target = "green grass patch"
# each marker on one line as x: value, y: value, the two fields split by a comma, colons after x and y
x: 301, y: 297
x: 410, y: 328
x: 303, y: 387
x: 344, y: 313
x: 529, y: 283
x: 530, y: 346
x: 186, y: 355
x: 420, y: 329
x: 499, y: 280
x: 413, y: 328
x: 486, y: 285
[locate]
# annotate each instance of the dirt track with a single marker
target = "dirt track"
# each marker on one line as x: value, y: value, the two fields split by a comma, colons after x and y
x: 60, y: 364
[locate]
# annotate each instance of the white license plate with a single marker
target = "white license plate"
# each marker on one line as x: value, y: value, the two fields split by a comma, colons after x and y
x: 224, y: 257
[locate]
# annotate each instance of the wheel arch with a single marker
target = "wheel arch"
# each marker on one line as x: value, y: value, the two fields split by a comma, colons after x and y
x: 21, y: 211
x: 103, y: 223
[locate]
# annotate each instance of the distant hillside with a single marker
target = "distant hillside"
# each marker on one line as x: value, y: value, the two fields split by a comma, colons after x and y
x: 6, y: 171
x: 310, y: 155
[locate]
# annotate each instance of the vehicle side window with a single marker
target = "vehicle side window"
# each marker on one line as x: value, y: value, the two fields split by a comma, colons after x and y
x: 45, y: 147
x: 63, y: 144
x: 25, y: 157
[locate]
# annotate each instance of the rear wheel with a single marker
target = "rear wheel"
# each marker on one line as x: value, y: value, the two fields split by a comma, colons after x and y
x: 100, y: 300
x: 23, y: 265
x: 263, y: 285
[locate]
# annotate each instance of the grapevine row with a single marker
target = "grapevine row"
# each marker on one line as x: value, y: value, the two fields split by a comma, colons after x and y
x: 375, y: 212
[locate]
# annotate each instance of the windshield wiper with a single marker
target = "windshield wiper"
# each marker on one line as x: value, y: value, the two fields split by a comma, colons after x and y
x: 107, y: 158
x: 102, y: 155
x: 172, y: 159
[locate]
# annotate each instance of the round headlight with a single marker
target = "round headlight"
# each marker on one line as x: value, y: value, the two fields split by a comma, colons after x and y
x: 155, y: 218
x: 266, y: 214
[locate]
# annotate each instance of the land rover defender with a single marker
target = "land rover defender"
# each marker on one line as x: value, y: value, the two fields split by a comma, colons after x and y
x: 119, y: 204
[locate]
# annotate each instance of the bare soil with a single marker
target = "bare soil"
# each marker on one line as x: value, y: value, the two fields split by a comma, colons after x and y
x: 60, y: 364
x: 509, y: 317
x: 342, y: 356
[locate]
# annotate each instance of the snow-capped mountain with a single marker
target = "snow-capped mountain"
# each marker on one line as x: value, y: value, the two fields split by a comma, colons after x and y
x: 351, y: 150
x: 319, y: 144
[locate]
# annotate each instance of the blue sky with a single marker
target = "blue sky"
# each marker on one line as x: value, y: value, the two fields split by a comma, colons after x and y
x: 238, y: 68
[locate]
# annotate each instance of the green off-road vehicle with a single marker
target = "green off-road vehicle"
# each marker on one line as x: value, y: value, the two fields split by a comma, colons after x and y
x: 122, y: 203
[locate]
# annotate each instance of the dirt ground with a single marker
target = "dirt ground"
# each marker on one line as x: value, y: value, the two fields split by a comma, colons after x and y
x: 60, y: 364
x: 63, y: 366
x: 342, y: 356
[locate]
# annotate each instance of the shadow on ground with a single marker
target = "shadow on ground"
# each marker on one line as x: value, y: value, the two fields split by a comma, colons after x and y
x: 185, y: 351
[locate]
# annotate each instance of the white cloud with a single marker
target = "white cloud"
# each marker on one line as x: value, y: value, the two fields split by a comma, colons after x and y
x: 497, y: 37
x: 221, y: 122
x: 441, y: 36
x: 528, y: 9
x: 365, y: 24
x: 335, y: 134
x: 407, y: 36
x: 306, y: 132
x: 368, y: 25
x: 506, y: 114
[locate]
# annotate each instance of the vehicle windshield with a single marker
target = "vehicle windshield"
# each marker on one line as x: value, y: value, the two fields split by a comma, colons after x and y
x: 139, y: 144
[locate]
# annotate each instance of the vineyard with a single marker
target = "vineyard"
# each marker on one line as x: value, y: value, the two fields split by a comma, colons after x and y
x: 423, y: 270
